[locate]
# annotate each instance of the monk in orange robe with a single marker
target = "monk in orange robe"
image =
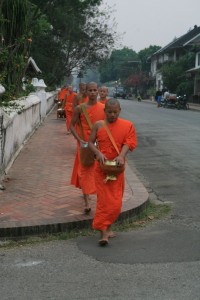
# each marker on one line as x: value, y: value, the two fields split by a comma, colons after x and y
x: 62, y: 93
x: 95, y: 112
x: 82, y: 96
x: 103, y: 93
x: 110, y: 192
x: 68, y: 106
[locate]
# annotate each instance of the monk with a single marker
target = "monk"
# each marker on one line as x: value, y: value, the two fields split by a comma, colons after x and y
x: 82, y: 96
x: 68, y: 106
x: 95, y: 112
x: 62, y: 93
x: 103, y: 93
x: 110, y: 192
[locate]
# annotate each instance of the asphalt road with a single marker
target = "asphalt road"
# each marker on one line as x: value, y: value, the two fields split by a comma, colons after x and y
x: 161, y: 261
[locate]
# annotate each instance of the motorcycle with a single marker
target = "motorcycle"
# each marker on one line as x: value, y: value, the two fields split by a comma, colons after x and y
x: 163, y: 102
x: 182, y: 102
x: 171, y: 102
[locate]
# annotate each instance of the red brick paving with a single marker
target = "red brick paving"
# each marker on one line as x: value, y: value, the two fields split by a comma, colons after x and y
x: 38, y: 191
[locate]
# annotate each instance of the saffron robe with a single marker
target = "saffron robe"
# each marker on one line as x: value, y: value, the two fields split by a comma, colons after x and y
x: 85, y: 179
x: 61, y: 95
x: 69, y: 108
x: 103, y: 101
x: 110, y: 193
x: 76, y: 170
x: 82, y: 99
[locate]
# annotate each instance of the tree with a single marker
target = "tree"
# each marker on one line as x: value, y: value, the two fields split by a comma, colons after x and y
x: 175, y: 76
x: 118, y: 65
x: 144, y: 56
x: 61, y: 36
x: 144, y: 79
x: 79, y: 38
x: 18, y: 18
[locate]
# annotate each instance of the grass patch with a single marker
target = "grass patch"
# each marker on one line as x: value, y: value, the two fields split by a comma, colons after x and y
x: 151, y: 213
x: 33, y: 240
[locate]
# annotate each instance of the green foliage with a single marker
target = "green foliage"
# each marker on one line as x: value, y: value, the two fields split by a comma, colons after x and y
x: 175, y: 76
x: 79, y: 38
x: 151, y: 91
x: 144, y: 56
x: 119, y: 65
x: 16, y: 42
x: 132, y: 68
x: 59, y: 35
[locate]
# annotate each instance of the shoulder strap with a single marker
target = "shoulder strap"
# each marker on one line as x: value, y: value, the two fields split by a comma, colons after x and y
x: 81, y: 130
x: 110, y: 136
x: 86, y: 115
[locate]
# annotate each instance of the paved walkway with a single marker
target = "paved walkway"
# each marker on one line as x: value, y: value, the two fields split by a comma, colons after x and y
x: 38, y: 196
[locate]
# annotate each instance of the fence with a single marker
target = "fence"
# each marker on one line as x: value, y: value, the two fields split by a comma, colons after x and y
x: 17, y: 127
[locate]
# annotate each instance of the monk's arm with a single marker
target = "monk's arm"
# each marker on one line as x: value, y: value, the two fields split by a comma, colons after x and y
x: 120, y: 159
x: 75, y: 102
x: 63, y: 103
x: 65, y: 100
x: 74, y: 121
x: 130, y: 143
x: 92, y: 141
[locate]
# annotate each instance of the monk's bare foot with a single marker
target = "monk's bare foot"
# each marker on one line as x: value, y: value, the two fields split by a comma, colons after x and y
x: 104, y: 238
x: 111, y: 234
x: 87, y: 209
x: 86, y: 197
x: 103, y: 243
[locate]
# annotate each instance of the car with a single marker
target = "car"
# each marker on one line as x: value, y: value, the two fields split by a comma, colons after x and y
x: 119, y: 92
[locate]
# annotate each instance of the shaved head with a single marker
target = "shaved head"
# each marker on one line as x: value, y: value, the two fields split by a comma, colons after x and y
x: 112, y: 101
x: 90, y: 84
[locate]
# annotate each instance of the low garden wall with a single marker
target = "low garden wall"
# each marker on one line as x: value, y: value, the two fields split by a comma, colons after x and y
x: 19, y: 123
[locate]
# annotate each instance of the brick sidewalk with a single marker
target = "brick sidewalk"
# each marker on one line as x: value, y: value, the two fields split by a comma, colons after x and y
x: 38, y: 196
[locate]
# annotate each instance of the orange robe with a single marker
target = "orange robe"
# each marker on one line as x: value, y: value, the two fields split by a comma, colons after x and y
x: 61, y: 95
x: 76, y: 168
x: 69, y: 108
x: 83, y: 99
x: 103, y: 101
x: 85, y: 179
x: 110, y: 193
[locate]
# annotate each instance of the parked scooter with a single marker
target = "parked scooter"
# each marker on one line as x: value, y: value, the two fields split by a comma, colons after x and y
x: 171, y: 102
x: 182, y: 102
x: 163, y: 102
x: 177, y: 102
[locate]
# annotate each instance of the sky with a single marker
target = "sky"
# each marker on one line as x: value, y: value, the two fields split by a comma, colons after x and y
x: 153, y: 22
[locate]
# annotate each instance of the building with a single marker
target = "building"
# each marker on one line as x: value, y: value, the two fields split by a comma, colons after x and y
x: 172, y: 52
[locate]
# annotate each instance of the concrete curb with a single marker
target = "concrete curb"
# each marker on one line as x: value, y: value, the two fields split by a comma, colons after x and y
x: 135, y: 203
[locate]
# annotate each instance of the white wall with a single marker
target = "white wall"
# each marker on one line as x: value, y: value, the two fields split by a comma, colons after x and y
x: 17, y: 128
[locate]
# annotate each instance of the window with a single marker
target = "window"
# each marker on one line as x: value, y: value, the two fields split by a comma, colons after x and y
x: 197, y: 60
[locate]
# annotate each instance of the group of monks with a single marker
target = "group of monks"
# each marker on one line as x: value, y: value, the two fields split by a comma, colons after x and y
x: 103, y: 115
x: 69, y: 99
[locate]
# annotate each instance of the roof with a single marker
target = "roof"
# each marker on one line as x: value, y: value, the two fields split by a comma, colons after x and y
x: 194, y: 41
x: 193, y: 70
x: 181, y: 41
